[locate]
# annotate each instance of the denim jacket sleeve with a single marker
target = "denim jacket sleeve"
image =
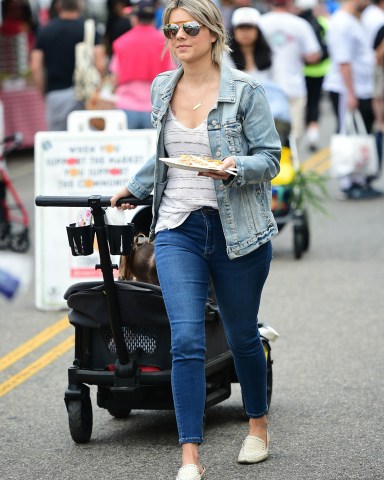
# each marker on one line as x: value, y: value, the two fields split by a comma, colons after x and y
x: 260, y: 159
x: 141, y: 184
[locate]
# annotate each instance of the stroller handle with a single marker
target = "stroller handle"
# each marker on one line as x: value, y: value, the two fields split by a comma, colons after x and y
x: 124, y: 365
x: 91, y: 201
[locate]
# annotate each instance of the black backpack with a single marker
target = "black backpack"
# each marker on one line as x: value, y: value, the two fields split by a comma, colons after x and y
x: 319, y: 32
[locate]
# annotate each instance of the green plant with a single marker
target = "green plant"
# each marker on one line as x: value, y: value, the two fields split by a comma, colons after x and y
x: 310, y: 189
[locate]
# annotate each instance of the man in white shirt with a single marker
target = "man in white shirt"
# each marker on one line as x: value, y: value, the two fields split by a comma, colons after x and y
x: 350, y: 80
x: 294, y: 44
x: 372, y: 19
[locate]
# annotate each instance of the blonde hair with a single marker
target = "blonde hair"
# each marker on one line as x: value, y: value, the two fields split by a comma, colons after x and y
x: 207, y: 13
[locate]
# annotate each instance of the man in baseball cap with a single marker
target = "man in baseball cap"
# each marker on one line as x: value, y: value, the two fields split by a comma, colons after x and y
x: 145, y: 9
x: 245, y: 16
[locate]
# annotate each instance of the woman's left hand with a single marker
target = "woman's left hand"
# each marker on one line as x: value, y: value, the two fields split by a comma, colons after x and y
x: 227, y: 163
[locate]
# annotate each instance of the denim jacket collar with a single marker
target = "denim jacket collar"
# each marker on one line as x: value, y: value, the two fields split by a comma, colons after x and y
x: 227, y: 92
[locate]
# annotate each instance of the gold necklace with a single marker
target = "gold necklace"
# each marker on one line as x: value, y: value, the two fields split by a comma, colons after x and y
x: 198, y: 104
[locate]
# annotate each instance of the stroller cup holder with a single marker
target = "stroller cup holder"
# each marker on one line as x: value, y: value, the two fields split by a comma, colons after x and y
x: 80, y: 239
x: 120, y: 238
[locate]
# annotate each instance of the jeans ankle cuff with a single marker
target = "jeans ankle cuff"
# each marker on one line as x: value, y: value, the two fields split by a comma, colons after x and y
x: 197, y: 440
x: 256, y: 415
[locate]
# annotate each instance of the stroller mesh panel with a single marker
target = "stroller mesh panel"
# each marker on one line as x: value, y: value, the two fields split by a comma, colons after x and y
x: 141, y: 341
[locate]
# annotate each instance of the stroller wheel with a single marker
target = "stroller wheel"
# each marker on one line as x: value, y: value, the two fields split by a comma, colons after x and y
x: 5, y: 236
x: 300, y: 233
x: 298, y: 242
x: 20, y: 242
x: 306, y: 235
x: 119, y: 412
x: 80, y: 419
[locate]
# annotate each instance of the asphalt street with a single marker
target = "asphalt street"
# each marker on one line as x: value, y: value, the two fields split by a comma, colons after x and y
x: 326, y: 419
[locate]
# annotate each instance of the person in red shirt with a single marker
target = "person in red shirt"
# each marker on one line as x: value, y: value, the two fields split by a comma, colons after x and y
x: 137, y: 59
x: 18, y: 18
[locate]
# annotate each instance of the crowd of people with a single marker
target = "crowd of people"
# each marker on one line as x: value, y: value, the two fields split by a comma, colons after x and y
x: 299, y: 50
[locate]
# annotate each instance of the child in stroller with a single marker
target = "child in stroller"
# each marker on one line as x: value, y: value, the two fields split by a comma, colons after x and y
x: 140, y: 264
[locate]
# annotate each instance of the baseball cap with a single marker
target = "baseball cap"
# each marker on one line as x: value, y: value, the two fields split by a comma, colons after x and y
x: 144, y: 9
x: 245, y: 16
x: 306, y: 4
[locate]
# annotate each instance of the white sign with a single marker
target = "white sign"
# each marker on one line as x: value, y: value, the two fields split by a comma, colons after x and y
x: 77, y: 164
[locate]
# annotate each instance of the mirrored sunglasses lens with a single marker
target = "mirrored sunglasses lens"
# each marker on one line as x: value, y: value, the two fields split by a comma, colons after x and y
x: 191, y: 29
x: 170, y: 30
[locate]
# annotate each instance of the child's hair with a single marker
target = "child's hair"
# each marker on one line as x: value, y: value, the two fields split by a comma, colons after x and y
x: 140, y: 265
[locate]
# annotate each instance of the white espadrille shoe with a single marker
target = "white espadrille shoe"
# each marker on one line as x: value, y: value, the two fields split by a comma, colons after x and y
x: 253, y: 450
x: 190, y: 472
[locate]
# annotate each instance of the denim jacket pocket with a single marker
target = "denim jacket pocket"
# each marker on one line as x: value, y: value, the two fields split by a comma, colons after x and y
x: 233, y: 135
x: 256, y: 211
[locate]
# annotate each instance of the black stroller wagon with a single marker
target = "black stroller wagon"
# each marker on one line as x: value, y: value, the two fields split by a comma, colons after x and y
x: 122, y: 334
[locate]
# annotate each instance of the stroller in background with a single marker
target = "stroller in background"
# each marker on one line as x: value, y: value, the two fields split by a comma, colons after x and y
x: 122, y: 333
x: 286, y: 194
x: 14, y: 227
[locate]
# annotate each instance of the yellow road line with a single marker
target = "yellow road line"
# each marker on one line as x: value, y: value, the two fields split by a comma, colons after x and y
x: 36, y: 366
x: 33, y: 343
x: 319, y: 157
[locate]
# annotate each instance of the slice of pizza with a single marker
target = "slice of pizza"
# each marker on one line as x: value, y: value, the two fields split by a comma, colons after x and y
x: 196, y: 161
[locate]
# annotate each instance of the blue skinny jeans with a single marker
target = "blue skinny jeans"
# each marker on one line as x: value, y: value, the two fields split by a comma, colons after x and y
x: 186, y: 258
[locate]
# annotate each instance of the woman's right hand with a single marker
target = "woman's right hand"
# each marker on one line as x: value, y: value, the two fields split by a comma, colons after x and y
x: 124, y: 192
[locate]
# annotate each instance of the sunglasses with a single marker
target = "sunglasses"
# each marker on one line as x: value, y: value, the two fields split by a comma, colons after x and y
x: 192, y: 29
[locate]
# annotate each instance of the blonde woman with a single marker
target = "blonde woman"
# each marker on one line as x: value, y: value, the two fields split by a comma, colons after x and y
x: 212, y: 224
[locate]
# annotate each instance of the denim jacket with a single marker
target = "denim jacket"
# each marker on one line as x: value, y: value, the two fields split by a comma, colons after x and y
x: 240, y: 124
